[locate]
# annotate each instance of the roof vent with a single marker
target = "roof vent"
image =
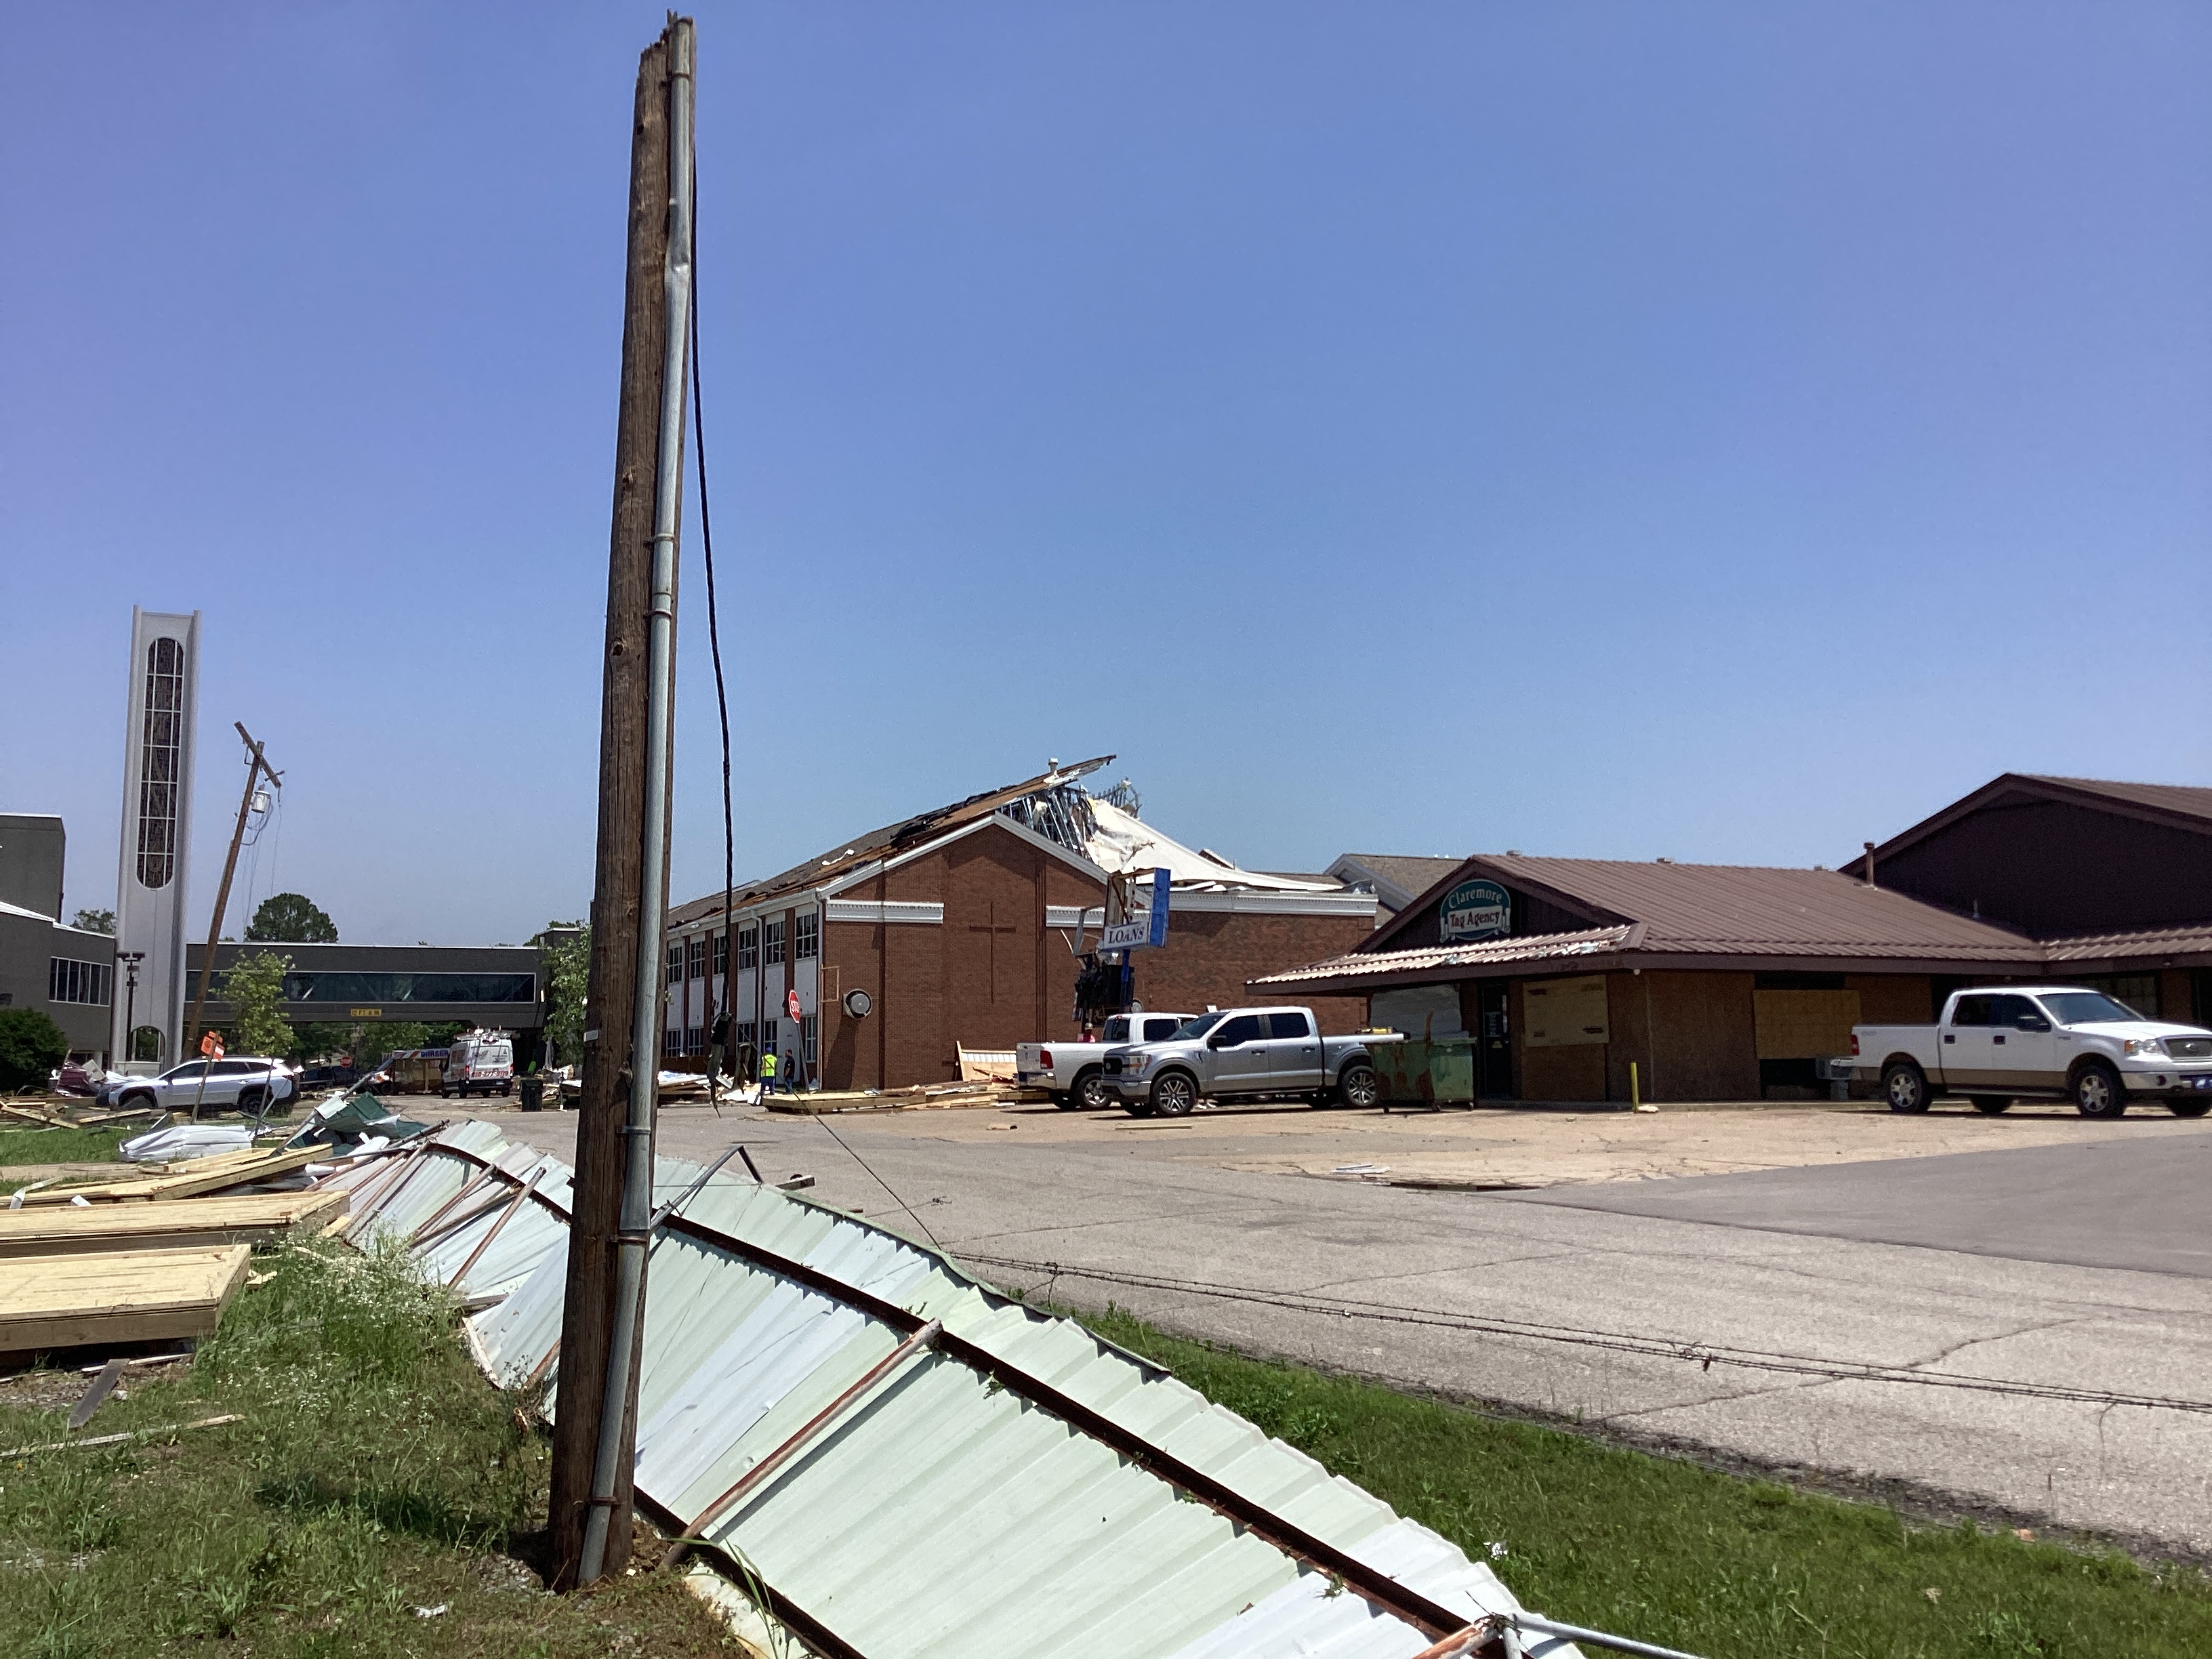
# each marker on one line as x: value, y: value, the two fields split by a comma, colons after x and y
x: 1662, y: 861
x: 1512, y: 852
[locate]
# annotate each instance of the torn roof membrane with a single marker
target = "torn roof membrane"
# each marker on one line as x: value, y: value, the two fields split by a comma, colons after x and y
x: 1054, y: 804
x: 1010, y: 1483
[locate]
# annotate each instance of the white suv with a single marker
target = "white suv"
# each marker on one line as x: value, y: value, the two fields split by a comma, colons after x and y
x: 250, y: 1084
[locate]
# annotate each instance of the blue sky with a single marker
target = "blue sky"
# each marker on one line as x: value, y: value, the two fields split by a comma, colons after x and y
x: 1719, y: 432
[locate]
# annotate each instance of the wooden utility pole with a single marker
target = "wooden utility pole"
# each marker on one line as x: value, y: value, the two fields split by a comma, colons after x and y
x: 256, y: 767
x: 587, y: 1319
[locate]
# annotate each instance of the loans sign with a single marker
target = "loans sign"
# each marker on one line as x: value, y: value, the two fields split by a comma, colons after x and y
x: 1142, y: 927
x: 1474, y: 909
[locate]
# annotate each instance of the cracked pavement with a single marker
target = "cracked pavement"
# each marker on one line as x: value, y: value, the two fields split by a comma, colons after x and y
x: 1682, y: 1311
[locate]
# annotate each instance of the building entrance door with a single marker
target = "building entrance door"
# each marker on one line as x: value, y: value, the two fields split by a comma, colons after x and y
x: 1493, y: 1043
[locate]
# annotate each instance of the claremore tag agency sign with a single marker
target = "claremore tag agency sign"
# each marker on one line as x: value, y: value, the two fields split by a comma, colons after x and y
x: 1474, y: 909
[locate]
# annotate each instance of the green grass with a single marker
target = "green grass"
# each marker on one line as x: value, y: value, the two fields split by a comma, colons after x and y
x: 1665, y: 1551
x: 28, y: 1146
x: 376, y: 1472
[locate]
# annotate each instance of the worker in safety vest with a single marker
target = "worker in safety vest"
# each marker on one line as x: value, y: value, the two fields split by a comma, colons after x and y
x: 768, y: 1071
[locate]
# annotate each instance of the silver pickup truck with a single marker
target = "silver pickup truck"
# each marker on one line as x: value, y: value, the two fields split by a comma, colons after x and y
x: 1996, y: 1044
x: 1070, y: 1071
x: 1244, y: 1053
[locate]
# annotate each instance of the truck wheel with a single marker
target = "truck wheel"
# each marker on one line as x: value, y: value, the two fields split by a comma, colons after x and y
x: 2097, y: 1091
x: 1904, y: 1087
x: 249, y: 1101
x: 1173, y: 1095
x: 1062, y: 1099
x: 2188, y: 1107
x: 1991, y: 1105
x: 1359, y: 1087
x: 1141, y: 1107
x: 1091, y: 1090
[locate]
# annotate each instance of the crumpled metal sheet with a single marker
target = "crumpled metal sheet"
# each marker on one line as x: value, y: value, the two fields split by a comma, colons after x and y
x: 941, y: 1514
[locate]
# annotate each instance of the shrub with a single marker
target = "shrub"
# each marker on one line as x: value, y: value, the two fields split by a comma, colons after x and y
x: 31, y: 1046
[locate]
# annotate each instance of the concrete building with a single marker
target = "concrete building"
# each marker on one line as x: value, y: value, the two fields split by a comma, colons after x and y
x: 967, y: 927
x: 162, y: 698
x: 1727, y: 982
x: 66, y: 973
x: 498, y: 986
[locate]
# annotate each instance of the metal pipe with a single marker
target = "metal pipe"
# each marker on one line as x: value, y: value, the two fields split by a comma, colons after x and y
x: 634, y: 1233
x: 1596, y: 1639
x: 699, y: 1186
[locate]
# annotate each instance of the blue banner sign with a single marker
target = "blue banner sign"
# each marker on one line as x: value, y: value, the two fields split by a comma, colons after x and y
x: 1474, y: 909
x: 1140, y: 931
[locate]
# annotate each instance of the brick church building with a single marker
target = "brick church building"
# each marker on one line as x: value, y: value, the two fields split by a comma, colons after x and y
x: 966, y: 928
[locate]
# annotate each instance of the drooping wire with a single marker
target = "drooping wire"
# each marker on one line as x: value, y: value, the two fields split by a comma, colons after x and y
x: 725, y: 1002
x: 880, y: 1181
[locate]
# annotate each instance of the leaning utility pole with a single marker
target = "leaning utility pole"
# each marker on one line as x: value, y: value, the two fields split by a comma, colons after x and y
x: 255, y: 767
x: 595, y: 1422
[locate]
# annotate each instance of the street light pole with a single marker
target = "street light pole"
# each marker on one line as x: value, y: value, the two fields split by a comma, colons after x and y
x: 131, y: 959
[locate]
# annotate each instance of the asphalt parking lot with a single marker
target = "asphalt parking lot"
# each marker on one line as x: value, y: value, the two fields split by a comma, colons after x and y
x: 2007, y: 1315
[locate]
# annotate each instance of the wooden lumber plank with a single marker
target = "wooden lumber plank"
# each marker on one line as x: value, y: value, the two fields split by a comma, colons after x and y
x: 202, y: 1175
x: 253, y: 1219
x: 119, y: 1296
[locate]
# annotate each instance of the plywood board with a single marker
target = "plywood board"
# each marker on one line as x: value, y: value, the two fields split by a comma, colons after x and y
x: 116, y: 1296
x: 1804, y: 1025
x: 258, y: 1219
x: 202, y: 1175
x: 1561, y: 1013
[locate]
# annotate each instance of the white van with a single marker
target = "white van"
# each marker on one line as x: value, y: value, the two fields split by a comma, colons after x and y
x: 479, y: 1062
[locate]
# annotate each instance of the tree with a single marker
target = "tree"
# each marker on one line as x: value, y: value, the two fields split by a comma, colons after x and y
x: 95, y: 921
x: 31, y: 1046
x: 371, y: 1043
x: 255, y: 989
x: 291, y: 918
x: 566, y: 950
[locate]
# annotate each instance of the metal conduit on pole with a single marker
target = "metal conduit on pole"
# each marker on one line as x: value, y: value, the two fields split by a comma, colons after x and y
x: 615, y: 1451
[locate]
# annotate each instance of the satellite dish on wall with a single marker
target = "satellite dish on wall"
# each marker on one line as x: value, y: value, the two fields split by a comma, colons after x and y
x: 858, y: 1004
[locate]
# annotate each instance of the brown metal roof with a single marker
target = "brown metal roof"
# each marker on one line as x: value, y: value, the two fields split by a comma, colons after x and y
x: 1409, y: 873
x: 1690, y: 915
x: 1735, y: 908
x: 2187, y: 799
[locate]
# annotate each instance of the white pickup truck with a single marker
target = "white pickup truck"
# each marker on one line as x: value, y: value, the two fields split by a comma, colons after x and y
x: 1996, y: 1044
x: 1070, y: 1071
x: 1248, y: 1052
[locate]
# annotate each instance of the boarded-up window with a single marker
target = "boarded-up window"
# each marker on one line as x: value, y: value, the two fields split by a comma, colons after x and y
x: 1559, y: 1013
x: 1804, y: 1025
x: 1418, y: 1010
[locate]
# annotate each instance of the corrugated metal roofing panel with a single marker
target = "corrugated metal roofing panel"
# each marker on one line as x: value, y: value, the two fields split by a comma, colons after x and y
x: 941, y: 1513
x: 1535, y: 947
x: 2143, y: 942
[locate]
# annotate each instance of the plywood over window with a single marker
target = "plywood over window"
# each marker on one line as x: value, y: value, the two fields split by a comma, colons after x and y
x: 1804, y: 1025
x: 1559, y: 1013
